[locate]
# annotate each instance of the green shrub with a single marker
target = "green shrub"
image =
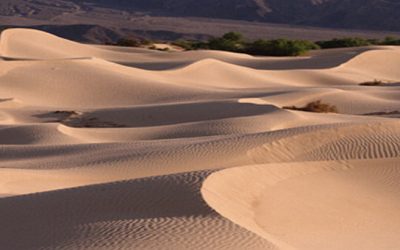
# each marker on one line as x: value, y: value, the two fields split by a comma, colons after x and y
x: 224, y: 44
x: 344, y: 43
x: 128, y: 43
x: 191, y: 45
x: 280, y: 47
x: 232, y: 41
x: 184, y: 44
x: 146, y: 42
x: 391, y: 41
x: 235, y: 42
x: 233, y: 36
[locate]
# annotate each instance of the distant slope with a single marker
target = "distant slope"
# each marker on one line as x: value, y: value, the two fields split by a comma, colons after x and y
x: 359, y: 14
x: 355, y: 14
x: 108, y: 20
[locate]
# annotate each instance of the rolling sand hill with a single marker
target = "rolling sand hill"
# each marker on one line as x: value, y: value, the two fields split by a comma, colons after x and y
x: 123, y: 148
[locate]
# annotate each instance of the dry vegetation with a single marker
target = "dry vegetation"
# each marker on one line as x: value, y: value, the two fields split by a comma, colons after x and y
x: 374, y: 83
x: 384, y: 113
x: 78, y: 120
x: 315, y: 106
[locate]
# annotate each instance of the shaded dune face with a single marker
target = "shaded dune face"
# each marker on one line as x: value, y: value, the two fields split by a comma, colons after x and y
x: 148, y: 213
x: 110, y: 148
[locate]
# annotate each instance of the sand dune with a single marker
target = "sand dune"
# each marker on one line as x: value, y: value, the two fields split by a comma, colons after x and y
x: 117, y: 215
x: 118, y: 148
x: 315, y: 205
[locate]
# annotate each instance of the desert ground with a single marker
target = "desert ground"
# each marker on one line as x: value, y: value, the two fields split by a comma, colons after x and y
x: 107, y: 147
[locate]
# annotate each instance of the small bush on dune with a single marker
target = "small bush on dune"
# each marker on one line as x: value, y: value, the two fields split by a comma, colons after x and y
x: 125, y: 42
x: 384, y: 113
x: 373, y: 83
x: 163, y: 49
x: 191, y: 45
x: 154, y: 47
x: 128, y: 43
x: 316, y: 106
x: 184, y: 44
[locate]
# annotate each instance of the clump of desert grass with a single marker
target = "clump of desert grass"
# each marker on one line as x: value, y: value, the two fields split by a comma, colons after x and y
x: 66, y: 112
x: 384, y: 113
x: 374, y: 83
x: 79, y: 120
x: 316, y: 107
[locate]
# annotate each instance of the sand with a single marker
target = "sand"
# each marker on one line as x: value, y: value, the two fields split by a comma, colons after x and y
x: 123, y: 148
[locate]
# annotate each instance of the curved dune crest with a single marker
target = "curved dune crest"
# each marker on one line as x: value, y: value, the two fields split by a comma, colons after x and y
x: 34, y: 134
x: 67, y: 82
x: 34, y: 44
x: 340, y: 142
x: 378, y: 62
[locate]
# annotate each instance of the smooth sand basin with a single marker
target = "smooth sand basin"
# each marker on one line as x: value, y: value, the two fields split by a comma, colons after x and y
x: 313, y: 205
x: 122, y: 148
